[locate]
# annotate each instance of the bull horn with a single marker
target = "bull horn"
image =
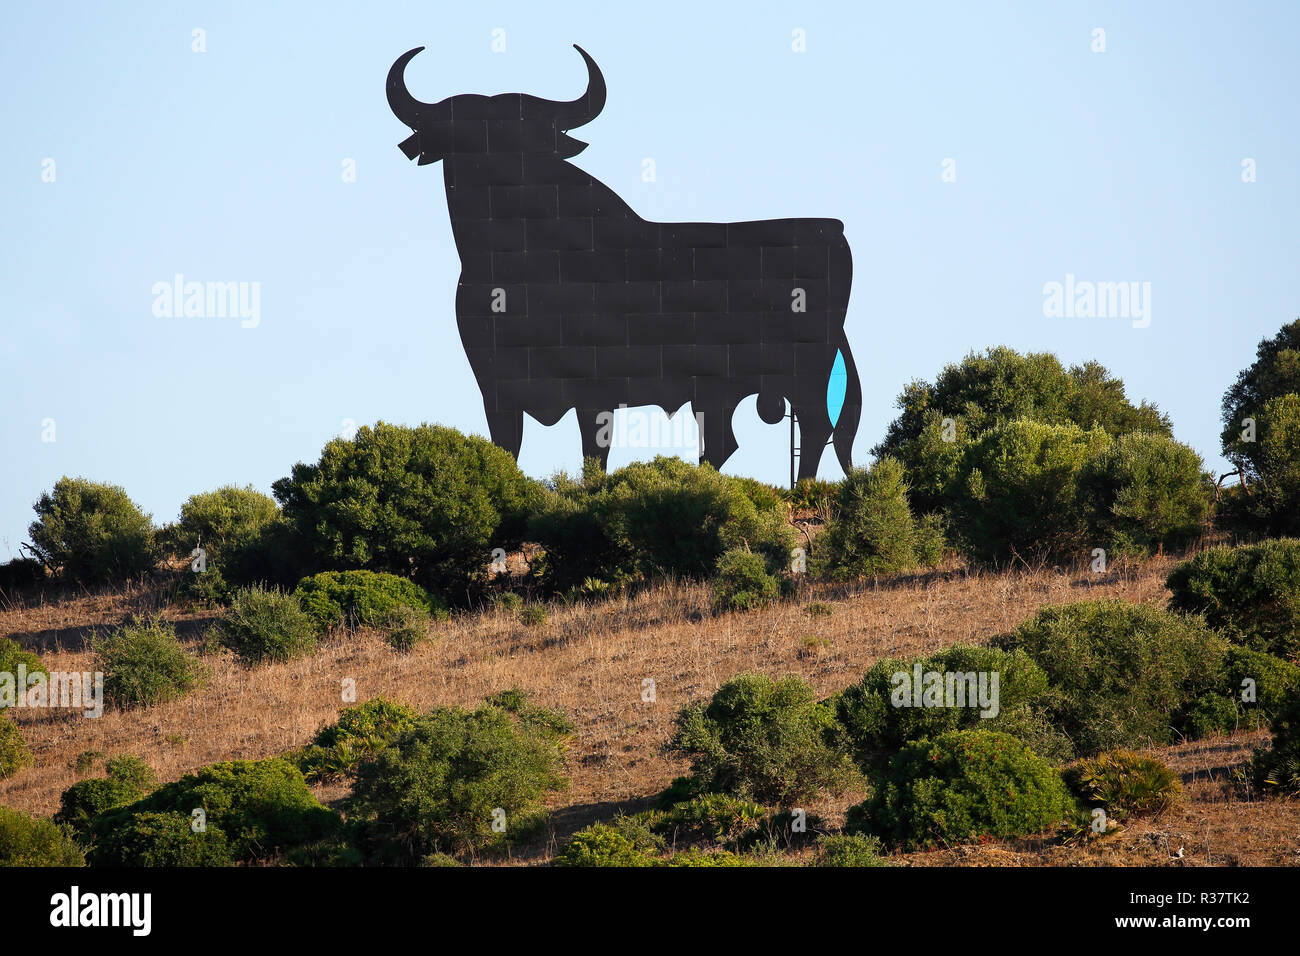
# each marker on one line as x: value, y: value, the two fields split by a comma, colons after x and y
x: 587, y: 107
x: 405, y: 106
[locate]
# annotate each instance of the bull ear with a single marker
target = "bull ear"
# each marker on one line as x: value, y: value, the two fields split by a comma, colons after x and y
x: 410, y: 146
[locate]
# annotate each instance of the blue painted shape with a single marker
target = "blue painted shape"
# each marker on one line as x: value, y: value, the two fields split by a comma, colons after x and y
x: 837, y: 388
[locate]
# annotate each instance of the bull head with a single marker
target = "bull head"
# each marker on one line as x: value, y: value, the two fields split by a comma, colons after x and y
x: 507, y: 123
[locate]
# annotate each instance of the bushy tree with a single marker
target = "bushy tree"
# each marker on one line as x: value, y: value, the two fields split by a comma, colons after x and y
x: 1019, y: 497
x: 126, y: 780
x: 1001, y: 385
x: 426, y: 502
x: 335, y: 598
x: 92, y: 532
x: 1251, y: 591
x: 1144, y: 492
x: 872, y: 530
x: 1267, y: 454
x: 959, y: 787
x: 1122, y: 675
x: 440, y: 785
x: 663, y: 517
x: 259, y: 807
x: 876, y: 716
x: 32, y: 841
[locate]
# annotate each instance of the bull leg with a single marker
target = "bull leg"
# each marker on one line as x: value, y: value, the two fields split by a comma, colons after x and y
x: 507, y: 430
x: 719, y: 439
x: 814, y: 433
x: 596, y: 436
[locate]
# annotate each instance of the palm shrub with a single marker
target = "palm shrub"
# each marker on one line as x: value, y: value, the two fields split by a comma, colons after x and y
x: 876, y: 716
x: 359, y: 734
x: 960, y: 786
x: 1278, y: 767
x: 1122, y: 675
x: 92, y: 532
x: 601, y: 845
x: 441, y: 785
x: 1125, y: 783
x: 1252, y: 592
x: 266, y: 625
x: 145, y: 663
x: 761, y: 739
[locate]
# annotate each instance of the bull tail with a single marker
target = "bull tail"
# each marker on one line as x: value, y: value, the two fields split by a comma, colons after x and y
x: 846, y: 426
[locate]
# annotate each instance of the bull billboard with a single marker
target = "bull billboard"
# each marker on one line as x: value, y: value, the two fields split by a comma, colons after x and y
x: 568, y: 300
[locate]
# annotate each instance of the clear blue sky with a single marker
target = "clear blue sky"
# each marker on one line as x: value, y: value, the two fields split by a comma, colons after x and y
x: 226, y: 166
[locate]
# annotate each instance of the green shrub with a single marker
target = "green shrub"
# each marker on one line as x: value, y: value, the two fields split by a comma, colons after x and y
x: 872, y: 531
x: 877, y: 715
x: 145, y: 663
x: 266, y: 625
x: 961, y: 786
x: 709, y: 818
x: 812, y: 494
x: 1123, y: 675
x: 849, y: 850
x: 440, y: 860
x: 652, y: 519
x: 1145, y: 492
x: 1125, y: 783
x: 32, y: 841
x: 259, y: 807
x: 361, y: 732
x: 819, y: 609
x: 92, y: 532
x: 1018, y: 498
x: 601, y: 845
x: 1254, y: 687
x: 1251, y: 591
x: 11, y: 656
x: 993, y: 387
x: 709, y: 858
x: 356, y: 598
x: 1268, y: 457
x: 437, y: 785
x: 205, y: 588
x: 762, y: 740
x: 508, y: 601
x: 19, y: 575
x: 1278, y: 768
x: 406, y: 627
x: 533, y: 615
x: 162, y: 839
x: 742, y: 582
x: 221, y: 521
x: 426, y: 502
x: 128, y: 779
x: 14, y: 752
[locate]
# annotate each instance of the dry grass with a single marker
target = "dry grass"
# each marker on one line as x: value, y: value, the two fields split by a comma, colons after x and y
x: 589, y: 661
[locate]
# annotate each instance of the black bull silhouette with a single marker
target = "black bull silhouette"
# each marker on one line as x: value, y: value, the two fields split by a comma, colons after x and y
x: 570, y: 300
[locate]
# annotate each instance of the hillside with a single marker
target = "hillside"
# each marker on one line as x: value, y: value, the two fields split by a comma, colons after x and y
x: 589, y: 661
